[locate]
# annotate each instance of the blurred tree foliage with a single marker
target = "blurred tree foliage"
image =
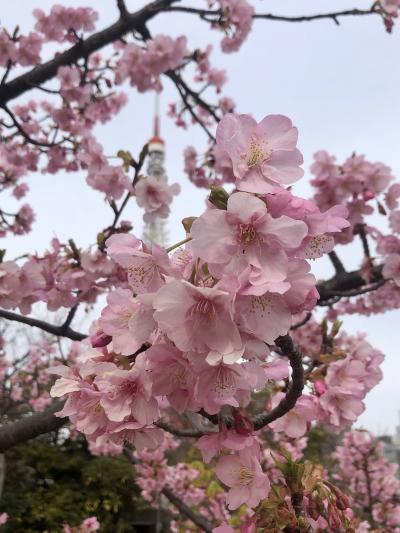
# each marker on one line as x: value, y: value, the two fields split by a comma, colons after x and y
x: 47, y: 485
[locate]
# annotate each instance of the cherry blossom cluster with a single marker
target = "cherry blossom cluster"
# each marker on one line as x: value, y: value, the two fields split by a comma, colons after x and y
x: 365, y: 188
x: 357, y: 183
x: 370, y: 480
x: 62, y: 277
x: 342, y: 369
x: 25, y: 380
x: 143, y: 66
x: 63, y: 23
x: 194, y: 330
x: 23, y: 50
x: 237, y: 19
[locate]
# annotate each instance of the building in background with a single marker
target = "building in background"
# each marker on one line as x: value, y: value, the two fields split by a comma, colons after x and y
x: 157, y: 230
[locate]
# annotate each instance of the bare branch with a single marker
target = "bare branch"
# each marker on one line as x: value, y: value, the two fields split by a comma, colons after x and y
x: 122, y: 8
x: 31, y: 426
x: 359, y: 229
x: 346, y: 284
x: 302, y: 322
x: 178, y: 432
x: 334, y: 15
x: 336, y: 262
x: 60, y: 331
x: 202, y: 523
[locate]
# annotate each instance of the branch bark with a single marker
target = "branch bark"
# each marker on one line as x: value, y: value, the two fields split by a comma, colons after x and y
x: 346, y: 284
x: 60, y: 331
x: 334, y: 15
x: 290, y: 350
x: 30, y: 426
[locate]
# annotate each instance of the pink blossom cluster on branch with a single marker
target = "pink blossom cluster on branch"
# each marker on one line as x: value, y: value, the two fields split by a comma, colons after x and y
x: 370, y: 480
x: 195, y: 330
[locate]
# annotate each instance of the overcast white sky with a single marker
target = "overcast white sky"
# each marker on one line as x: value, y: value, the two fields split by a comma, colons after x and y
x: 339, y: 85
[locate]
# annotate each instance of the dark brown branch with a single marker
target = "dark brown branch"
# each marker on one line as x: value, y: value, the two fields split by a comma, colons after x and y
x: 296, y: 386
x: 187, y: 105
x: 122, y: 8
x: 59, y: 331
x: 30, y: 426
x: 334, y: 15
x: 302, y: 322
x: 24, y: 134
x: 346, y: 284
x: 202, y: 523
x: 82, y: 49
x: 195, y: 433
x: 336, y: 262
x: 360, y: 230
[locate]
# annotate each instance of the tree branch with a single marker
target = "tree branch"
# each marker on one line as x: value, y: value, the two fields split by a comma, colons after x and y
x: 195, y: 433
x: 296, y: 386
x: 334, y: 15
x: 82, y: 49
x: 346, y: 284
x: 197, y: 519
x: 60, y: 331
x: 336, y: 262
x: 31, y: 426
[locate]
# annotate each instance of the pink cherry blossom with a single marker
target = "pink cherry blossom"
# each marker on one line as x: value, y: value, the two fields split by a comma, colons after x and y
x: 198, y: 319
x: 127, y: 393
x: 146, y: 270
x: 171, y: 375
x: 127, y: 320
x: 263, y: 157
x: 243, y: 474
x: 155, y: 196
x: 244, y: 235
x: 294, y: 423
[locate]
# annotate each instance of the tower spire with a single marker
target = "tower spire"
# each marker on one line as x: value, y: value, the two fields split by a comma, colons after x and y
x: 156, y: 231
x: 157, y: 115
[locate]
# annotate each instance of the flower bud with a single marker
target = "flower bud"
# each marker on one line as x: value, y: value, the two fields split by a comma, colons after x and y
x: 242, y: 424
x: 219, y: 197
x: 100, y: 339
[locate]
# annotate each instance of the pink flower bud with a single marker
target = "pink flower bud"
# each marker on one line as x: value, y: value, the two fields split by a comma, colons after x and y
x: 242, y: 424
x: 368, y: 195
x: 320, y: 387
x: 100, y: 339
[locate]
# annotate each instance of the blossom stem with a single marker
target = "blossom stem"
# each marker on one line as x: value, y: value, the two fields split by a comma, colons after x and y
x: 174, y: 246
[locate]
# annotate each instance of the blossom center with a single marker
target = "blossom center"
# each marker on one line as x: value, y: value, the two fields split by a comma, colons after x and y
x: 246, y: 233
x: 203, y: 307
x: 179, y: 376
x: 255, y: 155
x: 261, y: 305
x: 141, y: 273
x: 128, y: 387
x: 224, y: 383
x: 245, y: 476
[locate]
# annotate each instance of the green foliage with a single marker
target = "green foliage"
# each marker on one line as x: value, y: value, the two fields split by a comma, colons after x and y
x: 47, y: 485
x: 320, y: 445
